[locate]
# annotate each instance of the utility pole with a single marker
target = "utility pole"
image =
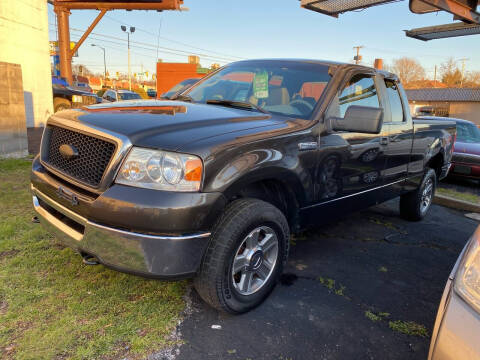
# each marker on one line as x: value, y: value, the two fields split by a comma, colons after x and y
x: 132, y: 30
x: 358, y: 57
x: 435, y: 77
x: 463, y: 69
x: 104, y: 62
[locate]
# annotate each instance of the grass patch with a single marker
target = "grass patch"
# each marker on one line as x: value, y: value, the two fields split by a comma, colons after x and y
x: 408, y: 327
x: 376, y: 317
x: 372, y: 316
x: 53, y: 306
x: 459, y: 195
x: 330, y: 284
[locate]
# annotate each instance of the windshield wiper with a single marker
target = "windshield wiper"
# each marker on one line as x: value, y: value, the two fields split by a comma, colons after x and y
x: 182, y: 98
x: 237, y: 104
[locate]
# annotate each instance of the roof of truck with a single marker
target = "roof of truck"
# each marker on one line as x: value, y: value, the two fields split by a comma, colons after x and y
x: 324, y: 62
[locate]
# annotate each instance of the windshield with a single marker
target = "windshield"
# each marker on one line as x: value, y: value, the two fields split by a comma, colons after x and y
x: 290, y: 88
x: 468, y: 133
x: 129, y: 96
x: 179, y: 87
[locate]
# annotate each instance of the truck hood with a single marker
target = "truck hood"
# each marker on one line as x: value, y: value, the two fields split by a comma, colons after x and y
x: 171, y: 124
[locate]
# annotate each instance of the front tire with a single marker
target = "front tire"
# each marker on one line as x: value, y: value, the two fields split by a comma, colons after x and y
x: 415, y: 205
x: 60, y: 104
x: 245, y: 256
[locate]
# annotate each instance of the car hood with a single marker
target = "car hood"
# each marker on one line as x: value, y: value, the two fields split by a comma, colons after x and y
x: 467, y: 148
x: 174, y: 125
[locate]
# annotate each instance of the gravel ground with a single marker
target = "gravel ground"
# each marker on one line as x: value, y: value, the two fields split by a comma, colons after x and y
x: 344, y: 289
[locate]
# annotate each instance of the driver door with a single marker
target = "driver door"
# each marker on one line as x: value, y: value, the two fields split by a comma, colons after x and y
x: 351, y: 163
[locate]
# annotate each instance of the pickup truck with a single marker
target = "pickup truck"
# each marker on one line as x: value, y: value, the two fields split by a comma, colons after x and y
x: 64, y: 97
x: 211, y: 185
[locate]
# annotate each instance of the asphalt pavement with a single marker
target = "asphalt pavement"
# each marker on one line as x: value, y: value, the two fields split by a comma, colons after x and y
x: 370, y: 262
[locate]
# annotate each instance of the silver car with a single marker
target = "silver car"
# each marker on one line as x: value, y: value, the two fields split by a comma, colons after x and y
x: 456, y: 334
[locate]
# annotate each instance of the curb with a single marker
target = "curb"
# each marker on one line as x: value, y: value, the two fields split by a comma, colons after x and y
x: 455, y: 203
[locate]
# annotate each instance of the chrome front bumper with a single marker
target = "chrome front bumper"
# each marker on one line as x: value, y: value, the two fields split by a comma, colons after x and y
x: 131, y: 252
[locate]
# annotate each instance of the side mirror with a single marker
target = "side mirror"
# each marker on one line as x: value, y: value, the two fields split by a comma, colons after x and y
x: 362, y: 119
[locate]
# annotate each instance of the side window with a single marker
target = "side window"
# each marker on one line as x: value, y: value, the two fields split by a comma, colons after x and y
x: 395, y: 101
x: 360, y: 90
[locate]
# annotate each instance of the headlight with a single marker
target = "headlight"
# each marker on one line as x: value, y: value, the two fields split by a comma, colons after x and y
x: 467, y: 279
x: 161, y: 170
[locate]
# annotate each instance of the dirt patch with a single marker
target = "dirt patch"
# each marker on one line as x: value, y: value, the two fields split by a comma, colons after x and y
x: 8, y: 253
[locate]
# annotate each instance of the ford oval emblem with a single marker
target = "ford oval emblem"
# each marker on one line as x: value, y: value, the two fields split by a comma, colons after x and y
x: 68, y: 152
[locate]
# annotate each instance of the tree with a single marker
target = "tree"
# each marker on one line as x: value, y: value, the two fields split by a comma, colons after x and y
x: 408, y: 70
x: 80, y: 69
x: 472, y: 79
x: 450, y: 73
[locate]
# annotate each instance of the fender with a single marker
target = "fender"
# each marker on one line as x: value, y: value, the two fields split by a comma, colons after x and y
x: 261, y: 165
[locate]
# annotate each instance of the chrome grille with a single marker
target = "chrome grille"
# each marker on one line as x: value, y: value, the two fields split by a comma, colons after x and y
x: 88, y: 167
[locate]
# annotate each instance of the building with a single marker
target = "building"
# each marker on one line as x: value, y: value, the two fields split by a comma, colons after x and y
x: 170, y: 74
x: 462, y: 103
x: 24, y: 41
x: 26, y: 71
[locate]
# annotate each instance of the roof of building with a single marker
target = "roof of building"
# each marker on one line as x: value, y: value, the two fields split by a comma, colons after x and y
x: 448, y: 94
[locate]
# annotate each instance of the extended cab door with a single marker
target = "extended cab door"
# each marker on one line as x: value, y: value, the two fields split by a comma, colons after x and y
x: 351, y: 163
x: 398, y: 139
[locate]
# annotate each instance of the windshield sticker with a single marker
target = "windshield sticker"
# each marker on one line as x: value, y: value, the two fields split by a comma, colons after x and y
x: 260, y: 85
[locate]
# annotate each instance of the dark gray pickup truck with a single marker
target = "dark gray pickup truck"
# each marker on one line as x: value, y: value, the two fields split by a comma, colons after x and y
x: 211, y: 184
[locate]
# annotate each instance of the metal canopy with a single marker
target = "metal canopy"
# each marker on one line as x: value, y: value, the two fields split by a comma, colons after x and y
x: 464, y: 10
x: 336, y: 7
x: 119, y: 4
x: 443, y: 31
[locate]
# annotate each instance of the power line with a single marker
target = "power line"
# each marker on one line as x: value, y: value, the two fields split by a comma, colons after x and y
x: 152, y: 47
x: 175, y: 41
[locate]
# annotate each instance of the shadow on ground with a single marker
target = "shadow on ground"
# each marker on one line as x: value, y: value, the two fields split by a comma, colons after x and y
x: 371, y: 262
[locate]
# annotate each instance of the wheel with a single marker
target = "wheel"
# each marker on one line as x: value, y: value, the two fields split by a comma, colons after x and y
x: 61, y: 104
x: 245, y: 256
x: 414, y: 206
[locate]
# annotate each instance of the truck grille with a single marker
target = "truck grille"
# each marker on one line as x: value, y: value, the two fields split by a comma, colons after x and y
x: 88, y: 167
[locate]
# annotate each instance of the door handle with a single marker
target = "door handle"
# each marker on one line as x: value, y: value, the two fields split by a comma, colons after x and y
x: 384, y: 141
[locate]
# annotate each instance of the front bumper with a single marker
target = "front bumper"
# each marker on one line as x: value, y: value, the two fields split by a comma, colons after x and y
x: 141, y: 254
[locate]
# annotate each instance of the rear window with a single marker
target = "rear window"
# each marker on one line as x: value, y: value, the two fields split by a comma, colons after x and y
x: 395, y: 101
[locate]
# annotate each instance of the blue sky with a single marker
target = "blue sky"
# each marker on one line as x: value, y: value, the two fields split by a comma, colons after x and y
x: 230, y: 30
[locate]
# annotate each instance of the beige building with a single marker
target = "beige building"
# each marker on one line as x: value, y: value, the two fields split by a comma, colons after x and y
x: 459, y: 103
x: 24, y: 41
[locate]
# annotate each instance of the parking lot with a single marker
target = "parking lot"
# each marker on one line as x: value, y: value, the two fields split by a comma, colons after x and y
x: 349, y: 290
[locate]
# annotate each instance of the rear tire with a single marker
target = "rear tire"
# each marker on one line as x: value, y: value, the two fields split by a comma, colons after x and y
x: 252, y: 235
x: 415, y: 205
x: 60, y: 104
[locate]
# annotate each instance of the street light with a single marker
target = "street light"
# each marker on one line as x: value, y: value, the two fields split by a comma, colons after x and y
x: 132, y: 30
x: 104, y: 62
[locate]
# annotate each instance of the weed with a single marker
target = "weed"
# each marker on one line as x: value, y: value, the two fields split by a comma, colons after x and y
x: 408, y: 327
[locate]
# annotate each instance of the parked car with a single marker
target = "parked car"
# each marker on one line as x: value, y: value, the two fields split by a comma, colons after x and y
x: 119, y: 95
x: 64, y: 97
x: 179, y: 88
x: 210, y: 186
x: 457, y: 326
x: 82, y: 87
x: 152, y: 93
x: 466, y: 154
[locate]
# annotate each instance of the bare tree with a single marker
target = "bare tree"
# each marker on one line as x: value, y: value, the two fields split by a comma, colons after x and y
x: 408, y: 70
x: 450, y: 73
x: 472, y: 79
